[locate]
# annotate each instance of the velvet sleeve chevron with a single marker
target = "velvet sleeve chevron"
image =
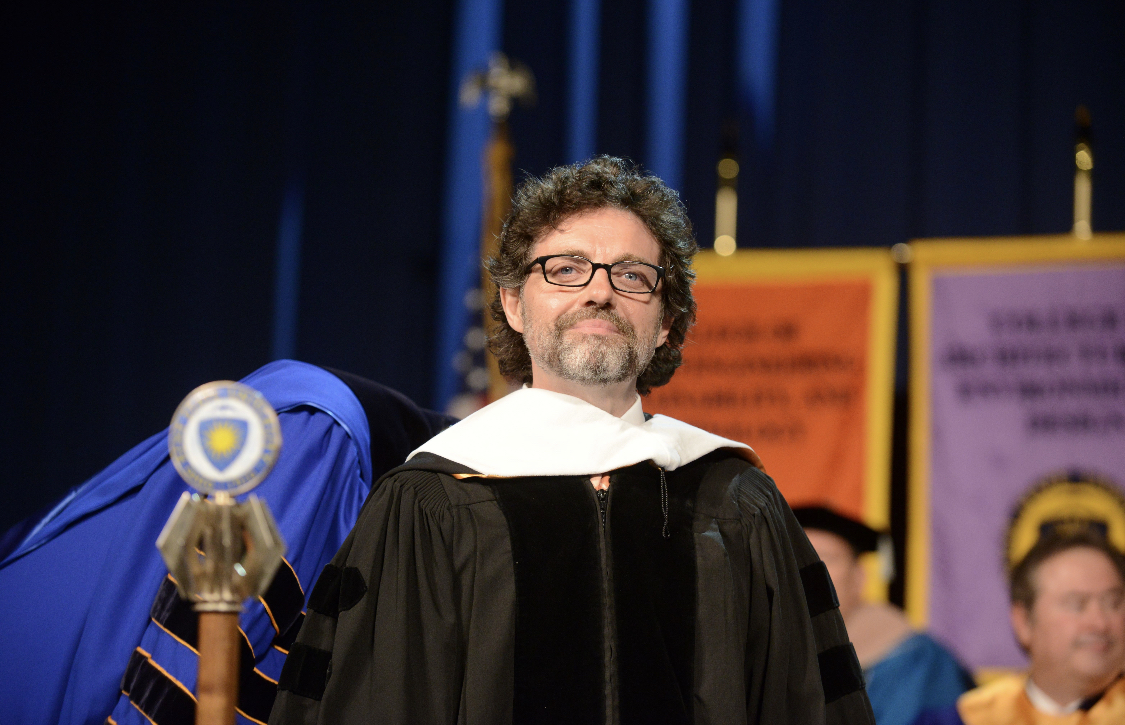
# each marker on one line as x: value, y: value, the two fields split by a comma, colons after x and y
x: 800, y: 666
x: 90, y: 618
x: 312, y: 499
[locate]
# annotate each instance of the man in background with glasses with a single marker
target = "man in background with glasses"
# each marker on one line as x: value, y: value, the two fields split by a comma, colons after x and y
x: 560, y: 556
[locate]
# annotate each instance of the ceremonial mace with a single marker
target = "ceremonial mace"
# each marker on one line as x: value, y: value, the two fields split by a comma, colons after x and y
x: 224, y: 439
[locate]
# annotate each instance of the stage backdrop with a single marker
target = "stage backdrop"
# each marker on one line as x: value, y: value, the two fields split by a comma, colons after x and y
x: 793, y: 354
x: 1018, y: 378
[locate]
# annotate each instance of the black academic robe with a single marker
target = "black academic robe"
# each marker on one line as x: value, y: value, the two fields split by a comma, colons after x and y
x: 473, y: 600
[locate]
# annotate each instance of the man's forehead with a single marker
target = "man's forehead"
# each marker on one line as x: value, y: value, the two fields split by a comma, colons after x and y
x: 611, y: 212
x: 584, y: 232
x: 1078, y: 570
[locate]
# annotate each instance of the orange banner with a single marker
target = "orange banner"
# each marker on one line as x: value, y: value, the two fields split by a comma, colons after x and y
x: 782, y: 368
x: 792, y: 354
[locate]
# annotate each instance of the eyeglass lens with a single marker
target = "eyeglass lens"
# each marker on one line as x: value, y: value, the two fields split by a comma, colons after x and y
x: 576, y: 272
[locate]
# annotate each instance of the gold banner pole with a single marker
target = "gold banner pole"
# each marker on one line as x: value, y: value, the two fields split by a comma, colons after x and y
x: 497, y: 203
x: 1083, y: 176
x: 503, y: 83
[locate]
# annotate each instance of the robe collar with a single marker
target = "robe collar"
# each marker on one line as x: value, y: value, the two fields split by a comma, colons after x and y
x: 1044, y: 703
x: 535, y: 432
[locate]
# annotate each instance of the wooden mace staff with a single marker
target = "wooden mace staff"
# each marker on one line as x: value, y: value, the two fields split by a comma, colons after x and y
x: 224, y: 439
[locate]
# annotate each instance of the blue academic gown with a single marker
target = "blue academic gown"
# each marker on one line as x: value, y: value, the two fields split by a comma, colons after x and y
x: 917, y: 675
x: 90, y: 626
x: 942, y: 716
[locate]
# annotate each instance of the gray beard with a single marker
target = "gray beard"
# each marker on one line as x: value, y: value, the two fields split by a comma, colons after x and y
x: 591, y: 359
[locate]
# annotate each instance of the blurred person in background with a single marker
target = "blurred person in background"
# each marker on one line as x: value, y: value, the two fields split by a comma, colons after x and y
x: 907, y: 672
x: 1068, y: 615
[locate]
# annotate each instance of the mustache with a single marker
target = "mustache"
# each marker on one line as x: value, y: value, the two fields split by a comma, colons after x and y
x: 1099, y: 640
x: 570, y: 319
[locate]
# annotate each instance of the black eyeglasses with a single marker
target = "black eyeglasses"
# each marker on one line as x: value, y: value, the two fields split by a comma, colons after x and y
x: 567, y: 270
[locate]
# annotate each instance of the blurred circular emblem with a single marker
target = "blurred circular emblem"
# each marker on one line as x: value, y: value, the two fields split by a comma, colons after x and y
x: 1064, y: 503
x: 224, y: 437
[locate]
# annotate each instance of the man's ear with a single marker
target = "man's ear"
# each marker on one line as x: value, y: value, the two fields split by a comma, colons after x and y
x: 1021, y: 625
x: 665, y: 328
x: 510, y: 301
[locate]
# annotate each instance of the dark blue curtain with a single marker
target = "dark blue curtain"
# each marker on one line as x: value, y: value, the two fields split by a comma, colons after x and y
x: 147, y: 157
x: 174, y: 180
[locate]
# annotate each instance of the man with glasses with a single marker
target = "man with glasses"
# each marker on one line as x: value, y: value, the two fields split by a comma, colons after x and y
x: 1068, y: 616
x: 560, y: 556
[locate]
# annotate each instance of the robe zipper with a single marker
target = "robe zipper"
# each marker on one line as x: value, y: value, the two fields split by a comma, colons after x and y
x: 664, y: 502
x: 609, y: 624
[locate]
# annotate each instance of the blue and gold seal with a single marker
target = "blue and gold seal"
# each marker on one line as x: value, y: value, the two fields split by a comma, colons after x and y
x: 224, y: 437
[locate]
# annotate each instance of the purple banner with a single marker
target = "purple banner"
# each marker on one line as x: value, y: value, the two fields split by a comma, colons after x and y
x: 1028, y: 381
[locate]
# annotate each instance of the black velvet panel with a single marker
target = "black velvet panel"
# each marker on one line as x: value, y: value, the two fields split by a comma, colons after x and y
x: 325, y: 596
x: 306, y: 671
x: 284, y: 598
x: 337, y: 590
x: 175, y: 614
x: 840, y: 672
x: 655, y: 593
x: 255, y: 693
x: 156, y: 695
x: 286, y: 639
x: 559, y: 653
x: 820, y: 595
x: 352, y: 588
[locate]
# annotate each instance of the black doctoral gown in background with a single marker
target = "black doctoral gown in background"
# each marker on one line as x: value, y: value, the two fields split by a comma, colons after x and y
x: 465, y: 599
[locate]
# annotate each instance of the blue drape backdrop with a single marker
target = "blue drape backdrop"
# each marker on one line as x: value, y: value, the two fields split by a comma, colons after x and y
x: 190, y: 193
